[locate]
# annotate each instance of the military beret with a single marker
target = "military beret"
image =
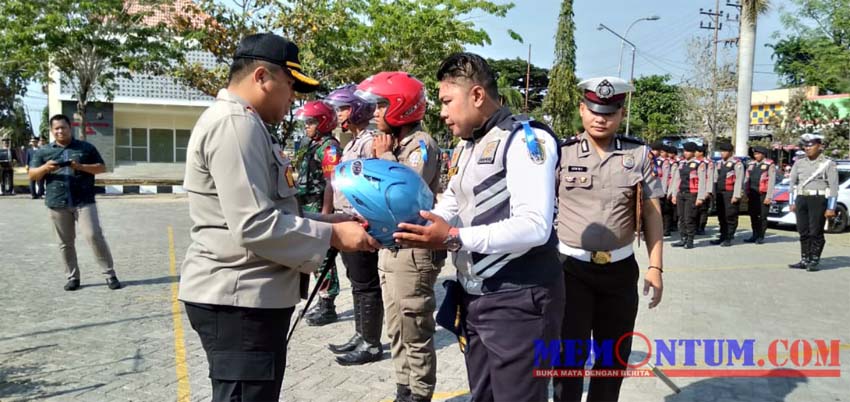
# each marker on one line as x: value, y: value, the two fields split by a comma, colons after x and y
x: 760, y: 149
x: 690, y: 146
x: 657, y: 146
x: 605, y: 94
x: 277, y: 50
x: 725, y: 146
x: 671, y: 149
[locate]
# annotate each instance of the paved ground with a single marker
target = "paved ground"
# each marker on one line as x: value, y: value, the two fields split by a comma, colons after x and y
x: 102, y: 345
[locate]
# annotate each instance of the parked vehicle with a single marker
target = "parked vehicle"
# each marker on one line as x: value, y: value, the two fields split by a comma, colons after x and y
x: 780, y: 213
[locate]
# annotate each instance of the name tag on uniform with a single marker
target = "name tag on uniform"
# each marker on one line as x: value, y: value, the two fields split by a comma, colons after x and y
x: 577, y: 169
x: 488, y: 156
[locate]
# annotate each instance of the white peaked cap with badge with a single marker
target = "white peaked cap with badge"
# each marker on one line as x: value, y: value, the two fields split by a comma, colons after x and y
x: 809, y: 138
x: 605, y: 94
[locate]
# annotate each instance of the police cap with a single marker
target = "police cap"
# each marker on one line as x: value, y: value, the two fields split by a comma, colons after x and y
x: 277, y: 50
x: 725, y: 146
x: 690, y: 146
x: 760, y: 149
x: 605, y: 95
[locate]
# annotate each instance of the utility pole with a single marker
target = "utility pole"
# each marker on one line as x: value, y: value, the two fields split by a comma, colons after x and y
x: 714, y: 25
x: 527, y: 78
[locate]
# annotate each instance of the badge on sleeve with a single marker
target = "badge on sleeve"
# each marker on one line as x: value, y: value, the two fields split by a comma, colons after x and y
x: 764, y: 166
x: 692, y: 165
x: 414, y: 158
x: 488, y: 155
x: 424, y: 149
x: 729, y: 164
x: 628, y: 161
x: 290, y: 181
x: 455, y: 157
x: 535, y: 150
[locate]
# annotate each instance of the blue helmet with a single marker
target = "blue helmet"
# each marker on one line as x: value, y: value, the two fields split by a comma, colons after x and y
x: 385, y: 193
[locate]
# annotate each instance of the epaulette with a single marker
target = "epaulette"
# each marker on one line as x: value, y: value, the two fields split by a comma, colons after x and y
x: 632, y: 140
x: 570, y: 141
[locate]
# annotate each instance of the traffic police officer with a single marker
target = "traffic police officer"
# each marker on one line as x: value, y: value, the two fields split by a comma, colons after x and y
x: 315, y: 194
x: 688, y: 193
x: 600, y: 168
x: 760, y: 179
x: 496, y: 217
x: 728, y: 179
x: 814, y: 193
x: 407, y: 275
x: 708, y: 176
x: 240, y: 279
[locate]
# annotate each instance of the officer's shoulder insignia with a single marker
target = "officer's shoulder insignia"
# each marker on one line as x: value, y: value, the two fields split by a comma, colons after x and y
x: 729, y: 164
x: 488, y: 155
x: 764, y: 166
x: 414, y: 158
x: 532, y: 143
x: 692, y: 165
x: 628, y: 161
x: 570, y: 141
x: 455, y: 157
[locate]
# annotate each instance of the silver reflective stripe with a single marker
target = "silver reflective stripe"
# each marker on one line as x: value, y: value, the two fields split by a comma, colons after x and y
x: 497, y: 187
x: 490, y: 271
x: 497, y: 199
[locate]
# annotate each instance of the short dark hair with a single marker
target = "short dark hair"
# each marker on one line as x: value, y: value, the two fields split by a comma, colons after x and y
x: 241, y: 67
x: 60, y: 117
x: 472, y: 67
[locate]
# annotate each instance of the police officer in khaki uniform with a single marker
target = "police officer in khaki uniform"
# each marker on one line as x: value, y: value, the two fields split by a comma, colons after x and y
x: 759, y: 183
x: 814, y: 193
x: 688, y: 194
x: 606, y: 190
x: 407, y: 275
x: 240, y: 279
x: 728, y: 180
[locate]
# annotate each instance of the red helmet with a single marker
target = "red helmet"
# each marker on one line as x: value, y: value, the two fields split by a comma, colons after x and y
x: 403, y: 92
x: 319, y: 112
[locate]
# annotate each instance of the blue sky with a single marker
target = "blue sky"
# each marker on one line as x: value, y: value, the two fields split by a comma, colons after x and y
x: 661, y: 44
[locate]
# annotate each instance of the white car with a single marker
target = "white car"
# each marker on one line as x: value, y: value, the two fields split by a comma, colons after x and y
x: 779, y: 213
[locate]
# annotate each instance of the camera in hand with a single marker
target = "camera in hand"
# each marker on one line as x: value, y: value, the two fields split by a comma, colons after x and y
x: 63, y: 163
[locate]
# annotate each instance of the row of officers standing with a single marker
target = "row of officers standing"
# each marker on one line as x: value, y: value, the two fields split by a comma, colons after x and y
x: 692, y: 182
x: 522, y: 276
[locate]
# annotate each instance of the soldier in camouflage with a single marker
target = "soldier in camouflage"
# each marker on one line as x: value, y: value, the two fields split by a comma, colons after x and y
x: 315, y: 194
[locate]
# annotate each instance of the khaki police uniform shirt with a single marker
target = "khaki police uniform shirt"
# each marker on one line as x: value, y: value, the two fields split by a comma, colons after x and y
x: 359, y: 147
x: 248, y: 239
x: 409, y: 153
x: 596, y: 196
x: 826, y: 178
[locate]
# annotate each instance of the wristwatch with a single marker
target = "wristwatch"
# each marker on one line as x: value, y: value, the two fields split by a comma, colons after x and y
x: 452, y: 241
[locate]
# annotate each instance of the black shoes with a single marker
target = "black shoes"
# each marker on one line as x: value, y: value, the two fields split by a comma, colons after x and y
x: 362, y: 354
x: 72, y: 285
x: 371, y: 323
x: 750, y: 239
x: 718, y: 241
x: 325, y: 315
x: 726, y: 243
x: 760, y: 240
x: 113, y: 283
x: 803, y: 264
x: 346, y: 347
x: 812, y: 264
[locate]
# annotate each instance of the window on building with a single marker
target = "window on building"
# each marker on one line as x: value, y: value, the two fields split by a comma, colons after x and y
x: 755, y: 114
x: 162, y: 145
x: 766, y: 114
x: 181, y: 138
x: 772, y: 107
x: 761, y: 107
x: 131, y: 145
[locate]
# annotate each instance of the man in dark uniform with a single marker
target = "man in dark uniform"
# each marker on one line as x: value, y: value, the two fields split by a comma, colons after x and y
x: 688, y: 193
x: 8, y: 159
x: 814, y: 193
x: 668, y: 210
x: 36, y: 186
x: 760, y: 179
x: 728, y: 179
x: 702, y: 210
x: 662, y: 170
x: 601, y: 273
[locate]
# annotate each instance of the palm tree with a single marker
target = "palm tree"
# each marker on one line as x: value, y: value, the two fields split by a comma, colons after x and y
x: 509, y: 96
x: 750, y: 11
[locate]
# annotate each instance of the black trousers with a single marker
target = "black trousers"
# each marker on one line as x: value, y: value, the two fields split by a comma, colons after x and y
x: 668, y: 214
x: 602, y: 303
x: 810, y: 223
x: 7, y: 180
x: 501, y: 329
x: 687, y: 209
x: 37, y: 188
x: 245, y: 347
x: 758, y: 212
x: 361, y: 268
x: 727, y: 215
x: 702, y: 213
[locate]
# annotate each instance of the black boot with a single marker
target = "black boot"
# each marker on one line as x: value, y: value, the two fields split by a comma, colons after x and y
x: 402, y: 393
x: 370, y: 350
x: 719, y: 240
x: 812, y: 264
x: 356, y: 339
x: 751, y: 239
x: 689, y: 244
x: 804, y: 256
x: 682, y: 241
x: 326, y: 314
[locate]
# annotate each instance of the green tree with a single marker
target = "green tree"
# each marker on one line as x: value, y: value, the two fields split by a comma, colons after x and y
x: 657, y: 107
x: 514, y: 71
x: 562, y: 99
x: 709, y: 94
x: 346, y: 41
x: 90, y: 42
x: 510, y: 96
x: 816, y: 50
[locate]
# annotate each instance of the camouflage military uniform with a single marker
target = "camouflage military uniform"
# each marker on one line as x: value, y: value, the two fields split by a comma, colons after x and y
x: 315, y: 167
